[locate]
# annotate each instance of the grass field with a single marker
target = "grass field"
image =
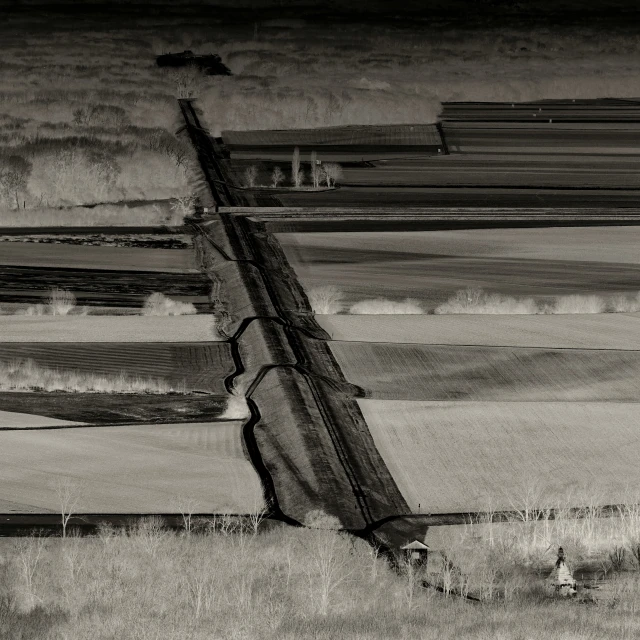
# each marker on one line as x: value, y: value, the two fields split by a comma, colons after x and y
x: 453, y: 456
x: 191, y: 367
x: 25, y: 420
x: 47, y: 255
x: 194, y: 328
x: 570, y: 331
x: 421, y: 372
x: 431, y: 266
x: 133, y: 469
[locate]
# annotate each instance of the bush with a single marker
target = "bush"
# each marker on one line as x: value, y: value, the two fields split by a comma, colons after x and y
x: 250, y: 175
x: 157, y: 304
x: 478, y: 301
x: 622, y: 304
x: 579, y: 304
x: 236, y: 407
x: 60, y: 302
x: 326, y: 299
x: 379, y: 306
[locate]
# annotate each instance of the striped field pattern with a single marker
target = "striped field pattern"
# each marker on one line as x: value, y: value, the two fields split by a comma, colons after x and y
x: 130, y: 329
x: 409, y: 134
x: 197, y: 367
x: 571, y: 331
x: 130, y: 469
x: 453, y: 456
x: 423, y: 372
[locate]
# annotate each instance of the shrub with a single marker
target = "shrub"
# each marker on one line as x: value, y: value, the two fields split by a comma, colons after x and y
x: 579, y: 304
x: 379, y: 306
x: 14, y: 176
x: 319, y: 519
x: 478, y: 301
x: 157, y: 304
x: 326, y: 299
x: 622, y: 304
x: 60, y: 302
x: 27, y: 375
x: 236, y: 407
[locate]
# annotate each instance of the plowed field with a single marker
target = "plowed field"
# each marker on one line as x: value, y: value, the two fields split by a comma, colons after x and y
x: 139, y: 469
x: 420, y: 372
x: 451, y: 456
x: 572, y: 331
x: 194, y: 328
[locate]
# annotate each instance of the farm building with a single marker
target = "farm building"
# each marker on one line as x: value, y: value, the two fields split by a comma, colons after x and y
x: 416, y: 552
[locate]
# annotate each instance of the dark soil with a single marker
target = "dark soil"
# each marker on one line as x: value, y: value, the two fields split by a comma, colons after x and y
x: 105, y: 240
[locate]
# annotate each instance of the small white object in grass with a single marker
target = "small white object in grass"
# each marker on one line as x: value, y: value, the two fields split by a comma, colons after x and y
x: 157, y: 304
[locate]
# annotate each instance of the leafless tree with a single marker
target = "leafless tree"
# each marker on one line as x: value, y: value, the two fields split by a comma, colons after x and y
x: 316, y: 170
x: 69, y: 494
x: 258, y: 514
x: 14, y: 175
x: 296, y: 176
x: 276, y: 177
x: 250, y: 175
x: 186, y: 506
x: 28, y: 555
x: 331, y: 171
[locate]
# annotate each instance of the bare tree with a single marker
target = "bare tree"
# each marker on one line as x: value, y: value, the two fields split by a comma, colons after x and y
x: 326, y: 299
x: 14, y: 175
x: 186, y: 506
x: 28, y: 555
x: 256, y: 517
x: 331, y: 171
x: 250, y: 175
x: 316, y: 170
x: 296, y: 176
x: 69, y: 494
x: 276, y: 177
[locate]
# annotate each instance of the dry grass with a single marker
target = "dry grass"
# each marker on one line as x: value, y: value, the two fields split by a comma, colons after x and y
x: 195, y: 328
x: 579, y: 304
x: 26, y: 375
x: 106, y: 215
x: 131, y: 469
x: 449, y: 456
x: 147, y: 582
x: 157, y: 304
x: 589, y: 331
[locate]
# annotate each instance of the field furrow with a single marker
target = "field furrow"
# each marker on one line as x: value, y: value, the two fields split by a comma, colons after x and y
x: 421, y: 372
x: 570, y: 331
x: 130, y: 469
x: 454, y: 456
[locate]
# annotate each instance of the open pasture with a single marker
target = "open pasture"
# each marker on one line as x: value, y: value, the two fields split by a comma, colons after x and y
x: 424, y: 372
x: 571, y: 331
x: 187, y: 367
x: 113, y: 408
x: 110, y: 258
x: 451, y: 457
x: 432, y: 266
x: 131, y: 469
x: 34, y: 329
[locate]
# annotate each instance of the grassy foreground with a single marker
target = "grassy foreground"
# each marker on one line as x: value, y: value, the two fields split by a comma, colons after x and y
x: 281, y: 583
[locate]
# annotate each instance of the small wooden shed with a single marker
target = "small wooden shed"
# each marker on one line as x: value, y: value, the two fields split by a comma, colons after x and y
x: 416, y: 552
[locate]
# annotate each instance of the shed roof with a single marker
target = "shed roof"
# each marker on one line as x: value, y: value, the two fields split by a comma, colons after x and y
x: 415, y: 545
